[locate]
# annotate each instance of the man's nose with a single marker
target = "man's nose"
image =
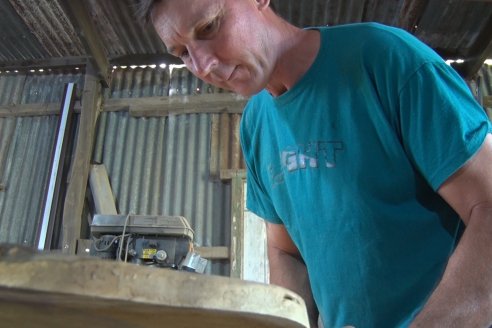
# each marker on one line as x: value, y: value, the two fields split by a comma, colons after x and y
x: 203, y: 60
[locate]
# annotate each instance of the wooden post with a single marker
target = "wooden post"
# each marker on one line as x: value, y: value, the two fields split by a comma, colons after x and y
x: 74, y: 200
x: 237, y: 227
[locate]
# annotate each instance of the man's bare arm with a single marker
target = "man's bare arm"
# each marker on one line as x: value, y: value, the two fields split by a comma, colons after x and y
x: 463, y: 298
x: 287, y: 269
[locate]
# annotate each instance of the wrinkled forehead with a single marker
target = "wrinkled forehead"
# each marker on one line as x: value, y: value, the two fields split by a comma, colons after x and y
x: 178, y: 19
x: 183, y: 15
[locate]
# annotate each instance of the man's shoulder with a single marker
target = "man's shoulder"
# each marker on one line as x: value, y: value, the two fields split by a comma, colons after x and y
x: 364, y: 32
x: 255, y: 109
x: 257, y: 102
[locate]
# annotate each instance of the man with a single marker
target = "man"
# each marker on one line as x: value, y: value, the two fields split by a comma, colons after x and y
x: 363, y: 151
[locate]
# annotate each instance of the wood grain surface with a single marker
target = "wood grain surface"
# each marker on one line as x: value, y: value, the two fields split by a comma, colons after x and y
x: 48, y: 290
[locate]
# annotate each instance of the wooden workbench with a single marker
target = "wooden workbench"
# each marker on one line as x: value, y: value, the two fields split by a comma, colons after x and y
x: 47, y: 290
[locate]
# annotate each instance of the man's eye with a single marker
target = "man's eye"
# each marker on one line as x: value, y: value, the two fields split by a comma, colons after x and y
x: 209, y: 29
x: 184, y: 54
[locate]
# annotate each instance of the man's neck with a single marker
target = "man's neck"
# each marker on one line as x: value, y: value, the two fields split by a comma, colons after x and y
x: 298, y: 50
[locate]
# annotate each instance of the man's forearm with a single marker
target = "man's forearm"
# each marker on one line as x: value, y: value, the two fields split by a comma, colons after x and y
x: 463, y: 298
x: 290, y: 272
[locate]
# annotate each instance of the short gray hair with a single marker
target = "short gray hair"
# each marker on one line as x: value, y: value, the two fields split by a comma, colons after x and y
x: 143, y: 10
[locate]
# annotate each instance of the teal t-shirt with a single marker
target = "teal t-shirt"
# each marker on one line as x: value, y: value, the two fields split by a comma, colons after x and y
x: 349, y: 160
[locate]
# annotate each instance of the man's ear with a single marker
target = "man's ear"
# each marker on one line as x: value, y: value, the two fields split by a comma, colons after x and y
x: 262, y: 4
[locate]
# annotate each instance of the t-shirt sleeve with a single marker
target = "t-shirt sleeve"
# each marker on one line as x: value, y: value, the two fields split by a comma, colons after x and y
x: 442, y: 125
x: 257, y: 199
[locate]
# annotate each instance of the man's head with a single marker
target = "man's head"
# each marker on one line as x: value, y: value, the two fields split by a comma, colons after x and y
x: 226, y: 43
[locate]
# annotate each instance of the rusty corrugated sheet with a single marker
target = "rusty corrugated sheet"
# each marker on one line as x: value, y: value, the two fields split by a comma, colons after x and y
x: 48, y: 21
x: 42, y: 30
x: 454, y: 28
x: 18, y: 43
x: 336, y: 12
x: 121, y: 34
x: 451, y: 27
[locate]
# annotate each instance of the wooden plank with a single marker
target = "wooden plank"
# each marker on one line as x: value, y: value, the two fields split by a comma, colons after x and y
x: 214, y: 164
x: 255, y: 249
x: 163, y: 106
x: 67, y: 291
x: 102, y: 193
x: 231, y: 174
x: 74, y: 200
x: 8, y: 131
x: 235, y: 150
x: 44, y: 63
x: 224, y: 141
x: 33, y: 110
x: 214, y: 252
x: 237, y: 228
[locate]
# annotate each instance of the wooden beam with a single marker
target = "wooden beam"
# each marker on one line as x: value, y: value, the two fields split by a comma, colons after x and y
x: 33, y: 110
x: 214, y: 163
x: 144, y: 107
x: 90, y: 37
x: 231, y: 174
x: 163, y: 106
x: 146, y: 59
x: 62, y: 62
x: 74, y: 200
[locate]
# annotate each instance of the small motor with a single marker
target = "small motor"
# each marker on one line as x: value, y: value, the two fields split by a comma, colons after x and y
x: 160, y: 241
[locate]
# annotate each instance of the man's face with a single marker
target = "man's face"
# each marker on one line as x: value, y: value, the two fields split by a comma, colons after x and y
x: 220, y: 41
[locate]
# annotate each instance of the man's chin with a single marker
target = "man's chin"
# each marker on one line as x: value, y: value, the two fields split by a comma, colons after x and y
x: 247, y: 91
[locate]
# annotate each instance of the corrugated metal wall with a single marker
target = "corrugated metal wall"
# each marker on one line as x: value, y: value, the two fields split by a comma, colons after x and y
x: 160, y: 165
x: 18, y: 42
x: 26, y: 144
x: 157, y: 165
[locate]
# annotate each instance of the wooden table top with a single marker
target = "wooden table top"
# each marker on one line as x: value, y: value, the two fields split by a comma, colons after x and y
x: 48, y: 290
